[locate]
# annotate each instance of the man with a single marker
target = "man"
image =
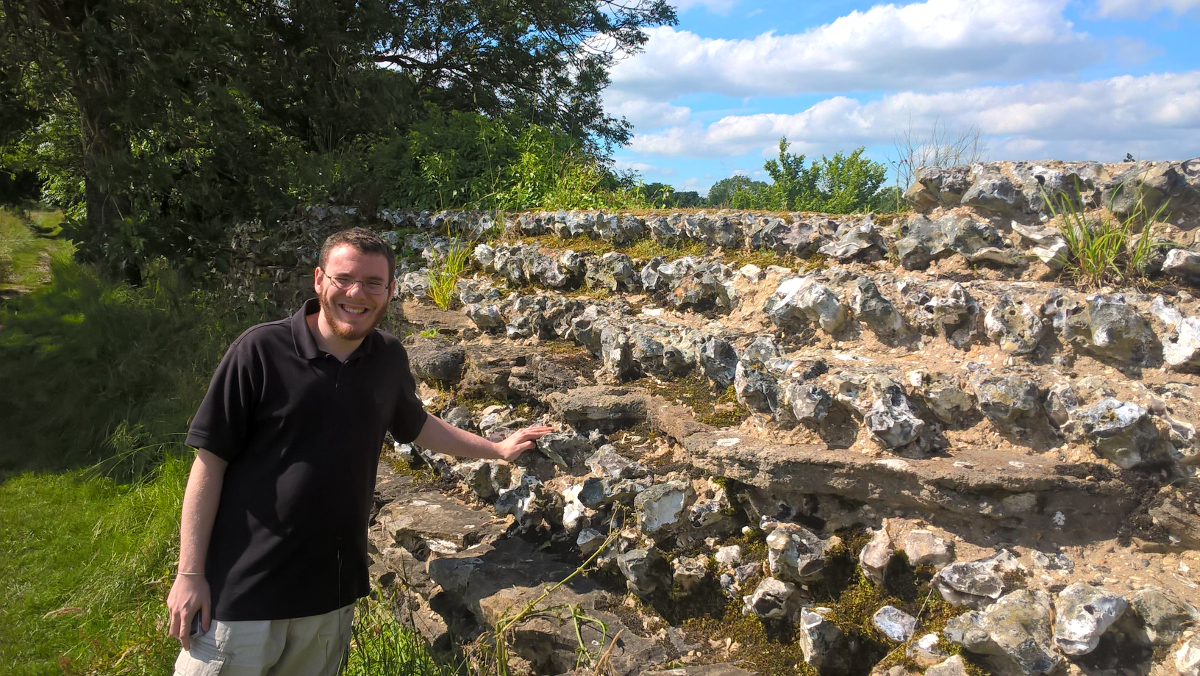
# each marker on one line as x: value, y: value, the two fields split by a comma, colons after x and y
x: 273, y: 541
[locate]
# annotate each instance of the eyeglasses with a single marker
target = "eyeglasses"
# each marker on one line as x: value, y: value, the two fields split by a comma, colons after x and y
x: 344, y: 282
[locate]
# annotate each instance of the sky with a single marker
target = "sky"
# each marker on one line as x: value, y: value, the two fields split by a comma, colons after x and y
x: 1040, y: 79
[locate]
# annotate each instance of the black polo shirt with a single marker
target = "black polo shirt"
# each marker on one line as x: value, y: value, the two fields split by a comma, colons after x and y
x: 302, y: 433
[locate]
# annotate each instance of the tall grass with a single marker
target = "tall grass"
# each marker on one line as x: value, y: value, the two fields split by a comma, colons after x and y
x: 1103, y: 248
x: 444, y: 271
x: 381, y: 645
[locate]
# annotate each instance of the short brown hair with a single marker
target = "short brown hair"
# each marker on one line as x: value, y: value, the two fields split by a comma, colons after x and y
x: 366, y: 241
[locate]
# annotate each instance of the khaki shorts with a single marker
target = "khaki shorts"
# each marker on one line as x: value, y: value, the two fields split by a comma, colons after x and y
x: 305, y: 646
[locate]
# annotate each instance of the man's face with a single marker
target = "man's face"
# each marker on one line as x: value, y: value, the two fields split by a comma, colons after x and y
x: 352, y: 312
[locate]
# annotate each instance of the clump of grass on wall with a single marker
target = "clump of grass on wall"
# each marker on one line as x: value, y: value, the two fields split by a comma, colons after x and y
x: 1102, y: 247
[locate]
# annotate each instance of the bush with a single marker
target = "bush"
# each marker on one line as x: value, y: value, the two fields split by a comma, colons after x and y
x: 101, y: 371
x: 842, y: 184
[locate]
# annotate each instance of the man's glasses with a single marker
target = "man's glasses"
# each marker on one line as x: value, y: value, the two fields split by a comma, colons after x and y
x: 345, y: 282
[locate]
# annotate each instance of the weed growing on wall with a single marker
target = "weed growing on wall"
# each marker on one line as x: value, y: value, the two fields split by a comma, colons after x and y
x: 1103, y: 247
x: 445, y: 270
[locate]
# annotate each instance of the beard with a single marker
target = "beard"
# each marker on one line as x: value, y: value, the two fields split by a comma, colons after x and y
x: 346, y: 331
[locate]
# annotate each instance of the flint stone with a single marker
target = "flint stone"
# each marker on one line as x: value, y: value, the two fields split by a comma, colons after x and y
x: 952, y: 314
x: 1120, y: 431
x: 1181, y: 345
x: 875, y: 556
x: 823, y: 644
x: 1014, y: 326
x: 1006, y: 400
x: 567, y: 449
x: 1061, y: 399
x: 969, y: 583
x: 943, y: 394
x: 926, y: 548
x: 803, y: 300
x: 1111, y: 328
x: 895, y: 623
x: 729, y: 556
x: 550, y: 641
x: 719, y: 360
x: 1084, y: 613
x: 992, y: 192
x: 772, y: 600
x: 875, y: 310
x: 607, y: 463
x: 436, y: 360
x: 600, y: 407
x: 891, y: 420
x: 1015, y: 632
x: 689, y: 572
x: 756, y: 389
x: 795, y: 553
x: 951, y: 666
x: 809, y: 403
x: 1057, y: 561
x: 1163, y: 615
x: 589, y: 541
x: 664, y: 231
x: 1183, y: 263
x: 645, y: 570
x: 662, y: 509
x: 862, y: 242
x: 1187, y: 658
x: 925, y: 651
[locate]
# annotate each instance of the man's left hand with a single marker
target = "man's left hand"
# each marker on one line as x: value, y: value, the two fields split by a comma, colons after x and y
x: 520, y: 441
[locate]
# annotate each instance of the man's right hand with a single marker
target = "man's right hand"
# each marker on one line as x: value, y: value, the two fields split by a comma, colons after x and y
x: 189, y: 595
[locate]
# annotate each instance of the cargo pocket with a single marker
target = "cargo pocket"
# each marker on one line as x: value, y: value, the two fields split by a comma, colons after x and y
x: 204, y: 659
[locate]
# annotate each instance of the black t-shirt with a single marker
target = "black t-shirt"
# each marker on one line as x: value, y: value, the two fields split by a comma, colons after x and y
x: 302, y: 433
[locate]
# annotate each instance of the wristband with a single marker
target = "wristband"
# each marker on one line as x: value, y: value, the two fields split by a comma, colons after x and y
x: 183, y: 573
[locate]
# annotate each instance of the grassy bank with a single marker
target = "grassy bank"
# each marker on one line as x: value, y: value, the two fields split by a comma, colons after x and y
x: 100, y: 381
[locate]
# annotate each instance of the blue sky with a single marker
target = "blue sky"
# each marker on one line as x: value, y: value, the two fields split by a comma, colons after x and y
x: 1040, y: 79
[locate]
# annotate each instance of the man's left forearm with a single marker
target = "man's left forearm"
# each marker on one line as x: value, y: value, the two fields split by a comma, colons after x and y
x: 438, y: 435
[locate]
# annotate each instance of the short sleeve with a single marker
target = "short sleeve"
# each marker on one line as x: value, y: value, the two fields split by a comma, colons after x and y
x: 222, y: 421
x: 410, y: 414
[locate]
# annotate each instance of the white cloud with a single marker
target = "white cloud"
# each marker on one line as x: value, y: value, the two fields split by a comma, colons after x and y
x: 643, y: 113
x: 714, y: 6
x: 925, y: 45
x: 1140, y: 9
x: 1153, y: 116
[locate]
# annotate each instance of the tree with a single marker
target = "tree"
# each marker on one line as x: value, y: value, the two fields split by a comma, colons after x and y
x: 158, y: 123
x: 721, y: 193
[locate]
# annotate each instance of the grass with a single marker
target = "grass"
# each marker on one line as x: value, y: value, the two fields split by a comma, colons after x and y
x: 85, y: 571
x: 445, y: 270
x: 381, y: 645
x: 1103, y: 248
x: 28, y: 244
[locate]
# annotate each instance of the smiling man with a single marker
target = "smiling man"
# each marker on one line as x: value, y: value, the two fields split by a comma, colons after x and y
x: 273, y: 541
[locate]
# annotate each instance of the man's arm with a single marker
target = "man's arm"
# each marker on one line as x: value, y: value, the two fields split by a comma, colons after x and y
x: 438, y: 435
x: 190, y: 593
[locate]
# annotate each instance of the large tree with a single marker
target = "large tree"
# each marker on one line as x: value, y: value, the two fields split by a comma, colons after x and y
x: 162, y: 121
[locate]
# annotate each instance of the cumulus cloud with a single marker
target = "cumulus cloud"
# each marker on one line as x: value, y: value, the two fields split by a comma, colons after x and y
x: 644, y: 113
x: 926, y: 45
x: 1140, y: 9
x: 1156, y: 115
